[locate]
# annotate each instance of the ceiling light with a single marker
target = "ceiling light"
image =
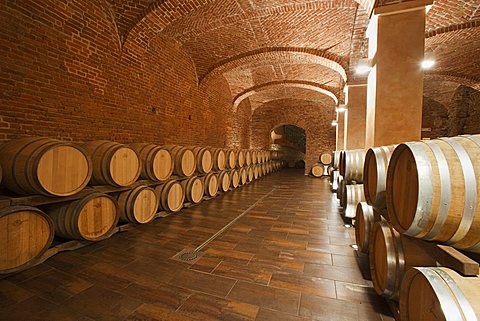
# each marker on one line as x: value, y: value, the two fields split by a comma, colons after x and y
x: 334, y: 123
x: 428, y: 60
x: 341, y: 108
x: 364, y: 66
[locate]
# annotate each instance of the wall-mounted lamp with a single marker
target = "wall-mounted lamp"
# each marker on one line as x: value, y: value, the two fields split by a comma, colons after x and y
x: 364, y: 66
x: 341, y: 108
x: 334, y: 123
x: 428, y: 60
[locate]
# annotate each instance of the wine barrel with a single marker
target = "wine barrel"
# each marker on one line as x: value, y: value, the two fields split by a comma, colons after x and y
x: 352, y: 195
x: 317, y: 170
x: 254, y: 154
x: 326, y: 158
x: 194, y: 189
x: 341, y: 162
x: 255, y: 172
x: 219, y: 159
x: 224, y: 181
x: 248, y: 157
x: 334, y: 179
x: 433, y: 189
x: 390, y: 255
x: 240, y: 158
x: 234, y: 178
x: 375, y: 175
x: 203, y: 159
x: 264, y: 169
x: 0, y: 174
x: 37, y: 165
x: 434, y: 293
x: 250, y: 173
x: 242, y: 172
x: 113, y: 164
x: 90, y: 218
x: 366, y: 217
x: 183, y: 159
x: 25, y: 234
x: 231, y: 158
x: 210, y: 183
x: 336, y: 159
x: 341, y: 188
x: 171, y: 196
x: 138, y: 205
x: 157, y: 162
x: 352, y: 165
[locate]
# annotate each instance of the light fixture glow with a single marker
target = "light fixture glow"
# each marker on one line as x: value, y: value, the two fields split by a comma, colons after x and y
x: 341, y: 108
x: 364, y: 66
x: 428, y: 60
x: 427, y: 8
x: 334, y: 123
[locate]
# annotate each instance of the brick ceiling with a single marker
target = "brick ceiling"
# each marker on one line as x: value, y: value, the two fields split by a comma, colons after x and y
x: 250, y: 42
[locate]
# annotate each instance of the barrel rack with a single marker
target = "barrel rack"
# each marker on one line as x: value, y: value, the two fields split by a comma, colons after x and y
x: 9, y: 199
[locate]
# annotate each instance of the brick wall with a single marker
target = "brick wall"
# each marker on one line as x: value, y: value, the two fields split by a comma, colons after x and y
x: 64, y: 74
x: 313, y: 117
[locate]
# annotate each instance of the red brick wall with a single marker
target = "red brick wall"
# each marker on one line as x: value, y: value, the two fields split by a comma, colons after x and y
x: 63, y: 74
x: 313, y: 117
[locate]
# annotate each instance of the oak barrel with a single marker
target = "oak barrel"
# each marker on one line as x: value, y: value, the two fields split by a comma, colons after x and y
x: 325, y: 158
x: 352, y: 165
x: 224, y: 181
x: 203, y: 159
x: 138, y: 205
x: 439, y: 294
x: 433, y: 190
x: 242, y: 172
x: 113, y: 164
x: 255, y: 171
x: 194, y: 189
x: 390, y: 255
x: 37, y: 165
x: 341, y: 188
x: 375, y: 175
x: 254, y: 156
x: 234, y: 178
x: 25, y: 234
x: 317, y: 170
x: 90, y: 218
x: 157, y: 162
x: 250, y: 173
x: 366, y: 217
x: 351, y: 196
x: 210, y: 183
x: 219, y: 159
x: 248, y: 157
x: 231, y: 157
x: 336, y: 159
x: 183, y: 159
x: 171, y: 196
x: 240, y: 158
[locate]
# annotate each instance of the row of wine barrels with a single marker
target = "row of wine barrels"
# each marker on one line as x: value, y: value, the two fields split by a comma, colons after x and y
x: 434, y: 293
x: 138, y: 205
x: 433, y: 190
x: 89, y: 218
x: 351, y: 165
x: 325, y: 159
x: 390, y: 256
x: 366, y: 216
x: 25, y: 234
x: 171, y: 196
x: 194, y: 189
x: 157, y: 162
x: 203, y: 159
x: 44, y: 166
x: 375, y: 175
x: 351, y: 196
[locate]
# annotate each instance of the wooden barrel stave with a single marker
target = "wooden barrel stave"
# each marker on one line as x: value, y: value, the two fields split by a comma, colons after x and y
x: 375, y: 175
x: 366, y: 217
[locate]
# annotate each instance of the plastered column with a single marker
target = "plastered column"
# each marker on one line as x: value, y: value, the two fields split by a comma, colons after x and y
x: 356, y: 114
x: 395, y: 84
x: 340, y: 131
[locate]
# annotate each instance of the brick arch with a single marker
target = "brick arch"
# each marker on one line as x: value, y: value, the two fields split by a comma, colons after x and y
x: 280, y: 55
x: 285, y: 83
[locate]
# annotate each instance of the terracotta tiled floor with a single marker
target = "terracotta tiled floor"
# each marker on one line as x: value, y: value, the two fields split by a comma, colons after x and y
x: 287, y: 259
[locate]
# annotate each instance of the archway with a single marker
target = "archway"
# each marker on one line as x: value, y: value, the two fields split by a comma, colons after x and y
x: 289, y: 143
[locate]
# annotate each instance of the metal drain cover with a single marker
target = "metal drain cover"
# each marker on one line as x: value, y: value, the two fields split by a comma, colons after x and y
x: 188, y: 256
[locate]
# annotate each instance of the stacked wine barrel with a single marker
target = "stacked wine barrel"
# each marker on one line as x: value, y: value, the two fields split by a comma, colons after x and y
x: 61, y: 172
x: 417, y: 192
x: 323, y: 167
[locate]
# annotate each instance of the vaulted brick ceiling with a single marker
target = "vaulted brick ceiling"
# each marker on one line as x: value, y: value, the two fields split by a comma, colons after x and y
x: 250, y: 42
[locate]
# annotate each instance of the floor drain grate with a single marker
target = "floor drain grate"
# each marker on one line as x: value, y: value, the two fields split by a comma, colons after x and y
x: 188, y: 256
